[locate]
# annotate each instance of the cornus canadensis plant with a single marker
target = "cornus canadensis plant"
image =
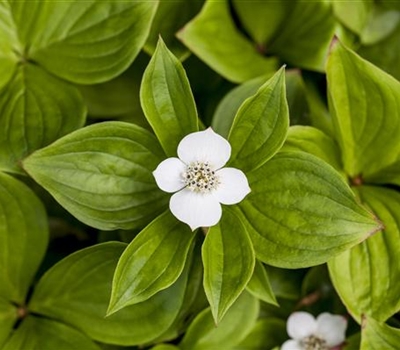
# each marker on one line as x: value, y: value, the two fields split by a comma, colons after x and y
x: 273, y: 198
x: 201, y: 180
x: 325, y: 332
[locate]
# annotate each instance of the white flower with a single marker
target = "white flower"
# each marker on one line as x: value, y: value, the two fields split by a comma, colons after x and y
x: 308, y: 333
x: 199, y: 180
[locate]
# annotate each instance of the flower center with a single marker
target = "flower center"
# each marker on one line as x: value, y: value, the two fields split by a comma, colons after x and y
x: 314, y: 343
x: 200, y: 177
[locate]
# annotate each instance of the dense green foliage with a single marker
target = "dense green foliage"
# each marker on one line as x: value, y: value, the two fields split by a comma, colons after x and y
x: 95, y: 94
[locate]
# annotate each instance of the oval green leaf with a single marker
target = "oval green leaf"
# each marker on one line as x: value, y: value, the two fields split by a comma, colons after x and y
x: 266, y: 334
x: 170, y: 17
x: 102, y: 174
x: 8, y: 317
x: 8, y: 41
x: 44, y: 334
x: 365, y: 104
x: 260, y: 125
x: 213, y: 37
x: 35, y: 109
x: 152, y: 261
x: 312, y: 140
x: 23, y: 238
x: 304, y: 37
x: 301, y: 212
x: 228, y: 259
x: 167, y: 99
x: 77, y: 290
x: 366, y: 277
x: 377, y: 336
x: 84, y: 42
x: 262, y: 19
x: 260, y: 286
x: 203, y: 334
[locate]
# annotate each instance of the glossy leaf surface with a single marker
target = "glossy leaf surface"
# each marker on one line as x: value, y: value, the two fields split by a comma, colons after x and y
x: 260, y: 126
x: 102, y: 174
x: 260, y: 286
x: 228, y: 259
x: 8, y: 317
x: 45, y: 334
x: 167, y: 99
x: 376, y: 336
x: 266, y: 334
x: 203, y: 334
x: 366, y: 277
x: 8, y: 41
x: 305, y: 34
x: 83, y: 42
x: 35, y: 109
x: 151, y: 262
x: 170, y: 17
x: 365, y: 104
x: 77, y: 291
x: 301, y: 212
x: 312, y: 140
x: 213, y: 37
x: 23, y: 238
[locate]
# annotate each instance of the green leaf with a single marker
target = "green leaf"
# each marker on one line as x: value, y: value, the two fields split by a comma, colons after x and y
x: 285, y: 283
x: 44, y: 334
x: 303, y: 39
x: 23, y: 238
x: 262, y: 19
x: 353, y: 342
x: 213, y: 37
x: 165, y: 347
x: 266, y: 334
x: 390, y: 4
x: 354, y: 15
x: 102, y: 174
x: 388, y: 175
x: 228, y: 259
x: 366, y: 277
x: 170, y: 17
x: 8, y: 317
x: 385, y: 53
x: 365, y: 104
x: 77, y: 290
x: 194, y: 299
x: 8, y: 43
x: 227, y: 108
x: 381, y: 23
x: 318, y: 109
x: 167, y: 99
x: 311, y: 140
x: 260, y: 286
x: 260, y: 126
x: 152, y: 261
x: 119, y: 97
x: 203, y: 334
x: 83, y: 42
x: 301, y: 212
x: 35, y: 109
x: 377, y: 336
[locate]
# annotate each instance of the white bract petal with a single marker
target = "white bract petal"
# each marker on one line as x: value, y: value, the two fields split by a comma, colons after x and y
x: 168, y: 175
x: 205, y: 146
x: 195, y: 209
x: 301, y: 325
x: 291, y: 345
x: 331, y: 328
x: 199, y: 181
x: 233, y: 186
